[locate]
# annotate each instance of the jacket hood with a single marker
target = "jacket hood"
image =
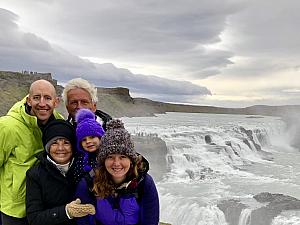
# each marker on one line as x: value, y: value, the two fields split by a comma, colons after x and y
x: 18, y: 111
x: 142, y: 165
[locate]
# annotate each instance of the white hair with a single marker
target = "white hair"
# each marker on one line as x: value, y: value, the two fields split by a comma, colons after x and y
x: 83, y: 84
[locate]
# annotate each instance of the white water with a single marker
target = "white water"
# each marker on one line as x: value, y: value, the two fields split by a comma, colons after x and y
x: 245, y: 217
x: 287, y: 218
x: 201, y: 175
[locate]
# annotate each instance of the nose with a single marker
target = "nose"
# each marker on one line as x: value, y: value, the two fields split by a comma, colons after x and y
x: 60, y: 145
x: 116, y: 161
x: 88, y: 139
x: 42, y: 101
x: 80, y: 105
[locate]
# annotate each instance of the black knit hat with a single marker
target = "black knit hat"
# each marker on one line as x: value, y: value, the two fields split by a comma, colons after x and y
x: 56, y: 129
x: 116, y: 140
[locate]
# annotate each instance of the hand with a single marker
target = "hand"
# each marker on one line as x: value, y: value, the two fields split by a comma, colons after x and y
x: 76, y: 209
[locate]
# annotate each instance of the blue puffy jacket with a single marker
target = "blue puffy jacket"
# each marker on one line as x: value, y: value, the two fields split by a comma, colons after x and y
x: 125, y: 209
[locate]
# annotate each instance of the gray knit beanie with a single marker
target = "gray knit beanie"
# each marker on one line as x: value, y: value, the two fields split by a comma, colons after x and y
x: 116, y: 140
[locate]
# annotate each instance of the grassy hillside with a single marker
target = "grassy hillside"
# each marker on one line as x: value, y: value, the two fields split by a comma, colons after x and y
x: 118, y: 102
x: 14, y: 87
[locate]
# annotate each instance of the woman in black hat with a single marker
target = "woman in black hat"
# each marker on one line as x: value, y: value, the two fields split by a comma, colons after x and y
x: 49, y: 185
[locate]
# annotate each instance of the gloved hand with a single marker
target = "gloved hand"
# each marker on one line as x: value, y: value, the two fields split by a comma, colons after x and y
x: 76, y: 209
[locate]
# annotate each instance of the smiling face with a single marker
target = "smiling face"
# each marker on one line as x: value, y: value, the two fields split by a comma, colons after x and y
x: 90, y: 143
x: 77, y: 99
x: 61, y: 151
x: 42, y: 100
x: 117, y: 166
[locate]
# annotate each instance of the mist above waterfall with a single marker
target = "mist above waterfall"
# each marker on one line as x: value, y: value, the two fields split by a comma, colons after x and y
x: 293, y: 128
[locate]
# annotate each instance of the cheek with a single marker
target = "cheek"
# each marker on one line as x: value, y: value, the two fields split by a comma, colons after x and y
x: 71, y: 108
x: 54, y: 103
x: 52, y: 149
x: 69, y: 150
x: 107, y: 164
x: 127, y: 164
x: 93, y: 108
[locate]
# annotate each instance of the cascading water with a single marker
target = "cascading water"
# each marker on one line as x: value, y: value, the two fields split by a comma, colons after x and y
x: 287, y: 218
x: 236, y: 163
x: 245, y: 217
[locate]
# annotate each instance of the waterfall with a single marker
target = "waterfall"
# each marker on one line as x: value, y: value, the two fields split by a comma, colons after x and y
x: 182, y: 211
x: 245, y: 217
x: 234, y: 163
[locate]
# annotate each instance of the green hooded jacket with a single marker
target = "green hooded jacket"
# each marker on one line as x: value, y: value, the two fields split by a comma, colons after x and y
x: 20, y: 140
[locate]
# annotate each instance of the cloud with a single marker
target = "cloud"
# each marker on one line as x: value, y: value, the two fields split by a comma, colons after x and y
x: 144, y: 32
x: 26, y: 51
x: 263, y: 37
x: 239, y: 49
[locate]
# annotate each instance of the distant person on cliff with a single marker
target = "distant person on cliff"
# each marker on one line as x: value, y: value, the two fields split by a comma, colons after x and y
x: 88, y: 135
x: 79, y: 93
x: 20, y: 139
x: 121, y: 189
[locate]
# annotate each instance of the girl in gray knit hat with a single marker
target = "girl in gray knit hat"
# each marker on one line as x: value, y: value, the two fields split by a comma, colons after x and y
x: 123, y: 192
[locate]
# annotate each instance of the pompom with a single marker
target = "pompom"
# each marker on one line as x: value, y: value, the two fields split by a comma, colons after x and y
x: 83, y: 114
x: 115, y: 124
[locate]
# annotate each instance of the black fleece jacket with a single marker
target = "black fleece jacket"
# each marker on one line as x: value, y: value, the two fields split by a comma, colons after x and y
x: 47, y: 193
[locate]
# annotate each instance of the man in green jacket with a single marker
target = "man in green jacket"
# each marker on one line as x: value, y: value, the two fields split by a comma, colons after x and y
x: 20, y: 139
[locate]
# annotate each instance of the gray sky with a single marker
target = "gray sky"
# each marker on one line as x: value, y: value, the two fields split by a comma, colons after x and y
x: 231, y: 53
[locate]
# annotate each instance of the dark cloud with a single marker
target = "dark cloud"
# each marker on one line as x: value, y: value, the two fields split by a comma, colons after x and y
x: 26, y: 51
x: 265, y: 33
x: 147, y: 32
x: 225, y: 44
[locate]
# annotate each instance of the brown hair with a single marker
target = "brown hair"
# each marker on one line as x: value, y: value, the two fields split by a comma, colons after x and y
x: 103, y: 183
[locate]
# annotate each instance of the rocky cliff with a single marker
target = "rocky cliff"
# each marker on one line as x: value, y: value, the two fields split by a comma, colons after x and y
x: 14, y: 86
x: 118, y: 102
x: 267, y: 207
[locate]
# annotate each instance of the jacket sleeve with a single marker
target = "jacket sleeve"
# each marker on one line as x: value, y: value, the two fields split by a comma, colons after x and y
x: 149, y: 214
x: 82, y: 192
x: 37, y: 214
x: 6, y: 143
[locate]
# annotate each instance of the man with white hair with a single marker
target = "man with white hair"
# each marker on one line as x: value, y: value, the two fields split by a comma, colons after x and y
x: 79, y: 93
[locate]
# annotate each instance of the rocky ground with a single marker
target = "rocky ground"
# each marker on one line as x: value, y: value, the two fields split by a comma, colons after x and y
x: 271, y: 206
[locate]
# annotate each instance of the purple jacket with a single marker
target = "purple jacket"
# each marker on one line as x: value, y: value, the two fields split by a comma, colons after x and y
x: 126, y: 209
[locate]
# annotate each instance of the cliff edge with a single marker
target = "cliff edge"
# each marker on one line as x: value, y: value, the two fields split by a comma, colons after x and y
x: 118, y: 102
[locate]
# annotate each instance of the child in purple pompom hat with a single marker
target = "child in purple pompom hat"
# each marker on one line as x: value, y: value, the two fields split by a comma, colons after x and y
x: 88, y: 134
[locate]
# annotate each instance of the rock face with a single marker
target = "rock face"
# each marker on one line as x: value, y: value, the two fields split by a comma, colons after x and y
x: 276, y: 203
x: 118, y: 102
x: 154, y: 150
x: 232, y: 210
x: 271, y: 206
x: 14, y: 86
